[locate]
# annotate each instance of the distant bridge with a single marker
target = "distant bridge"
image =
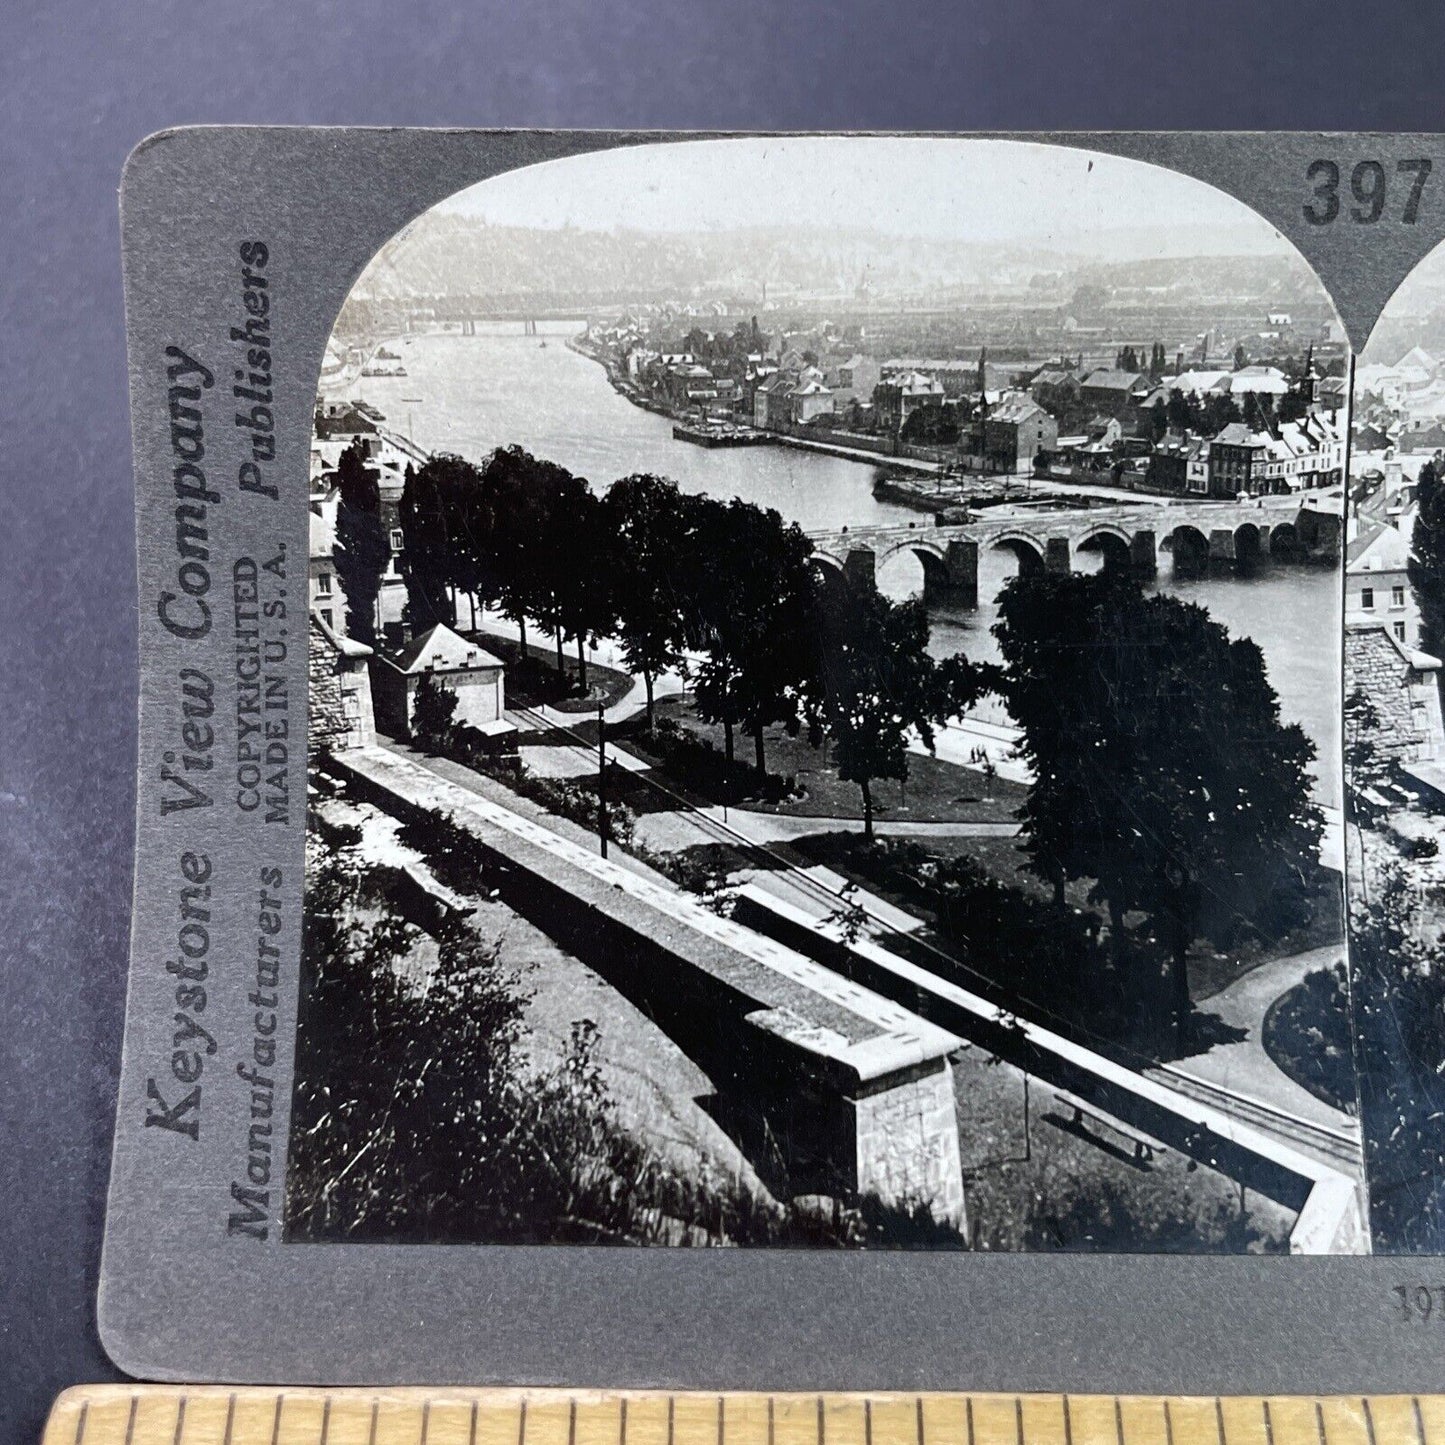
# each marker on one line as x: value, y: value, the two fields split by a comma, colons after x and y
x: 468, y: 321
x: 1195, y: 534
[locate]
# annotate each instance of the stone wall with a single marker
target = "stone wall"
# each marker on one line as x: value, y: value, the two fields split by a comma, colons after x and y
x: 339, y: 712
x: 906, y: 1128
x: 1400, y: 692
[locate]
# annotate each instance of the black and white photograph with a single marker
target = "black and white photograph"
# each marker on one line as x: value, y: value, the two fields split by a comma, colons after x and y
x: 824, y: 720
x: 1394, y: 755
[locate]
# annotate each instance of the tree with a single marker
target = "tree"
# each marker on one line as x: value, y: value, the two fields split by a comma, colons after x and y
x: 1398, y: 994
x: 1218, y: 411
x: 435, y: 511
x: 551, y: 538
x: 1362, y: 723
x: 1162, y: 770
x: 517, y: 491
x: 880, y: 684
x: 646, y: 525
x: 362, y: 551
x: 432, y: 712
x: 751, y: 613
x: 1427, y: 556
x: 1182, y: 416
x: 577, y: 576
x: 1241, y: 357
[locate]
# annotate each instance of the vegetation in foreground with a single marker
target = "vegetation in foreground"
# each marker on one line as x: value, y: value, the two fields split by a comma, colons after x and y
x: 1397, y: 962
x: 414, y: 1121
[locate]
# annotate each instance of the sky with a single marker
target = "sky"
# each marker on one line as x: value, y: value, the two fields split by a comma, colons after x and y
x: 1053, y: 197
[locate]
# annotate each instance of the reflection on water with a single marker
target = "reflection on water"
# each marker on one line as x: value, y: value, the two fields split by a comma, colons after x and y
x: 471, y: 394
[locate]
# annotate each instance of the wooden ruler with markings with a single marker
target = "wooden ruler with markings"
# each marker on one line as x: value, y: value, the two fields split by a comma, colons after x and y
x: 220, y: 1415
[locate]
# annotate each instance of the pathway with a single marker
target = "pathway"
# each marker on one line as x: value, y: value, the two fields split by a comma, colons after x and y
x: 679, y: 829
x: 1245, y: 1068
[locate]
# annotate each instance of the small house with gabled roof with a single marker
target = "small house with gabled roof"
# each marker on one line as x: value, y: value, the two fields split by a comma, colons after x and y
x: 462, y: 666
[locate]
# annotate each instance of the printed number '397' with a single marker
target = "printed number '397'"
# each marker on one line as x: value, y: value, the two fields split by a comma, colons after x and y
x: 1367, y: 187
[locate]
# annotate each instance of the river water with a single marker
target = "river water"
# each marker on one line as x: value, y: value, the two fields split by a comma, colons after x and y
x: 471, y: 394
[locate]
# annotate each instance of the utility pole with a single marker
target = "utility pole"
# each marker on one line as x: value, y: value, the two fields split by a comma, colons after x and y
x: 602, y: 776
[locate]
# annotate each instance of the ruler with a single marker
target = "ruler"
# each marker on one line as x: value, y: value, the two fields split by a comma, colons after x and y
x: 219, y: 1415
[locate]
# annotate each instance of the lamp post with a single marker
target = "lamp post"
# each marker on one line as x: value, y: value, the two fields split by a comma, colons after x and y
x: 602, y: 777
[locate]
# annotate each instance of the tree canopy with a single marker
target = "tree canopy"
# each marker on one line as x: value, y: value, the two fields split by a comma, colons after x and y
x: 1162, y: 769
x: 1427, y: 560
x: 880, y: 685
x: 361, y: 549
x: 648, y: 526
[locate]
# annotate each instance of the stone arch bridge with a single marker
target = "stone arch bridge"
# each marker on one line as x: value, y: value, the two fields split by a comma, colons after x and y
x: 1196, y: 535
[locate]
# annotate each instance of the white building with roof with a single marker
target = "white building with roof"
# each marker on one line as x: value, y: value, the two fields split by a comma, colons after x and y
x: 463, y: 667
x: 1377, y: 582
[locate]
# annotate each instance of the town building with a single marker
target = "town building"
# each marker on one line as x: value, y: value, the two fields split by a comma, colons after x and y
x: 1377, y: 582
x: 1008, y: 438
x: 808, y: 400
x: 896, y: 398
x: 468, y: 670
x: 854, y: 379
x: 956, y: 376
x: 1117, y: 393
x: 771, y: 401
x: 1370, y: 436
x: 1055, y: 389
x: 1401, y: 685
x: 1427, y: 434
x: 1174, y: 466
x: 324, y: 599
x: 1296, y: 456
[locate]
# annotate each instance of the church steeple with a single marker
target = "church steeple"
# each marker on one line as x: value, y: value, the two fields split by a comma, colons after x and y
x: 1309, y: 382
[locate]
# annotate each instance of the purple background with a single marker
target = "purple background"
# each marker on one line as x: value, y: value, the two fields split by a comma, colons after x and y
x: 81, y: 83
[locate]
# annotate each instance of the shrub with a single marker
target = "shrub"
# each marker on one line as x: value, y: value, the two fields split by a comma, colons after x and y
x: 1008, y: 942
x: 432, y: 711
x: 699, y: 764
x: 416, y: 1117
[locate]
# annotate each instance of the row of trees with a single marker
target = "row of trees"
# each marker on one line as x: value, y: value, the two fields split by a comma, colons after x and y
x: 1209, y: 415
x: 1163, y: 773
x: 725, y: 588
x: 1128, y: 359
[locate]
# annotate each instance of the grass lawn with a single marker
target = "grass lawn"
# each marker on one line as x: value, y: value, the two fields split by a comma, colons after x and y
x: 1049, y: 1188
x: 936, y: 791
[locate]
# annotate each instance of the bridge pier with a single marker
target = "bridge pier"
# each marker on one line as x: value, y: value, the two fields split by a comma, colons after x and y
x: 1057, y: 560
x: 955, y: 579
x: 1221, y: 544
x: 1143, y: 556
x: 860, y: 568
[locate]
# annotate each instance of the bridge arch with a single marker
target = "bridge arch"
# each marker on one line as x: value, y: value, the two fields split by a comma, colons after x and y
x: 930, y: 555
x: 1111, y: 542
x: 1190, y: 549
x: 1249, y: 544
x: 1285, y: 541
x: 1028, y: 549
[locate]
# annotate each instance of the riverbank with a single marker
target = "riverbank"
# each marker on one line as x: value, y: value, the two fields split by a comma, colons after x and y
x: 741, y: 434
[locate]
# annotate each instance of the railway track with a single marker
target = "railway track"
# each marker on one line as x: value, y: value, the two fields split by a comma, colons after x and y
x: 1339, y: 1146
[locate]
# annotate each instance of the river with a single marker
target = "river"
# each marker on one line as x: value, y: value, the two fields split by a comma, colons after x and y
x: 471, y: 394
